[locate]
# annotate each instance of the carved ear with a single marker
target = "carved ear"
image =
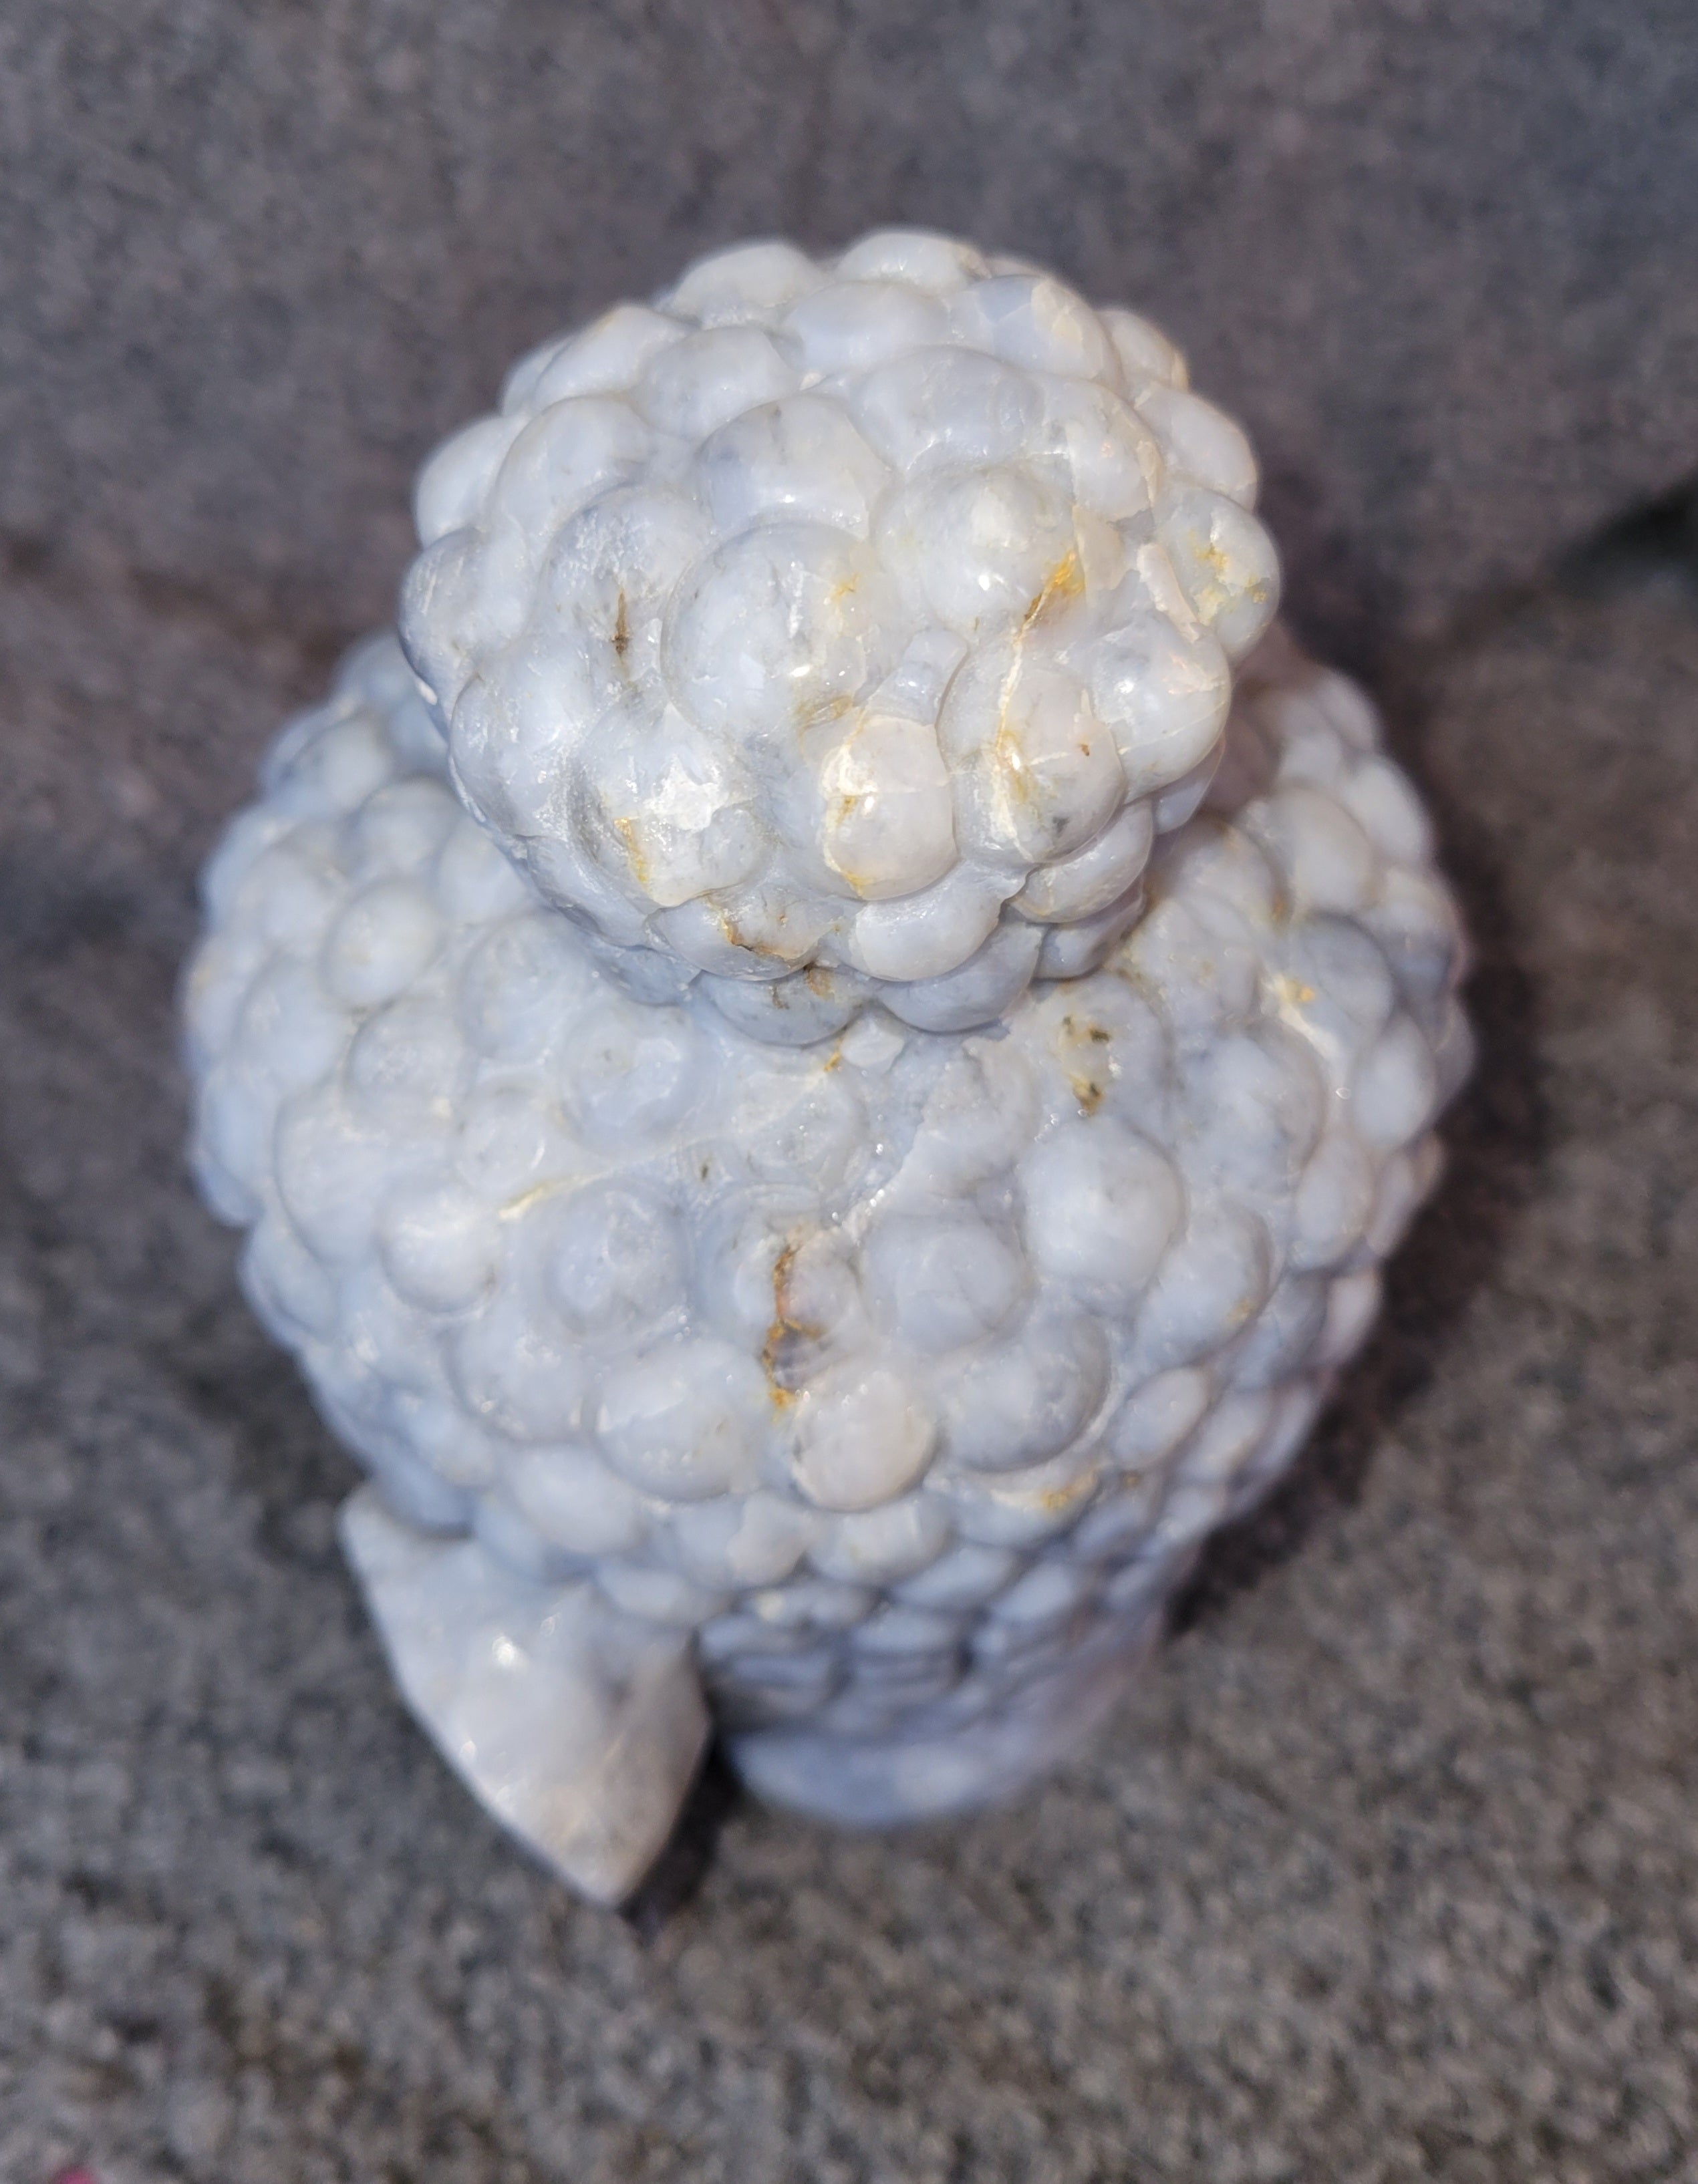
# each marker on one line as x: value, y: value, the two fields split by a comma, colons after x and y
x: 579, y: 1727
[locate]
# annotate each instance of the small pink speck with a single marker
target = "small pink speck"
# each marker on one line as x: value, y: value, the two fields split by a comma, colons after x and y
x: 77, y: 2177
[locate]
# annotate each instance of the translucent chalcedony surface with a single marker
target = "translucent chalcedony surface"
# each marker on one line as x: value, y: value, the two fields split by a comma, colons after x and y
x: 826, y: 631
x: 879, y: 1389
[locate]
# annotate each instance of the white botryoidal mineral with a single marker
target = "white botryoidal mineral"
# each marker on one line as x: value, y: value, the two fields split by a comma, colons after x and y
x: 814, y: 1107
x: 830, y: 632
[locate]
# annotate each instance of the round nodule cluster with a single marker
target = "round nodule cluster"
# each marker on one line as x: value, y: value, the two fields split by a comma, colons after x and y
x: 898, y: 1367
x: 834, y: 631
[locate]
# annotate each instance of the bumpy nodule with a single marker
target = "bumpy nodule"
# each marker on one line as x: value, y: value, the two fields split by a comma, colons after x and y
x: 815, y: 1107
x: 825, y: 631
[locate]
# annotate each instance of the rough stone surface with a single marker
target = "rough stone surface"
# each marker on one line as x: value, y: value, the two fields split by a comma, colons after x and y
x: 899, y: 1375
x: 255, y: 260
x: 1389, y: 1873
x: 832, y: 629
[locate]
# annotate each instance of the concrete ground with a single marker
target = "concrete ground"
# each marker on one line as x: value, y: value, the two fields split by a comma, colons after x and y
x: 1391, y: 1872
